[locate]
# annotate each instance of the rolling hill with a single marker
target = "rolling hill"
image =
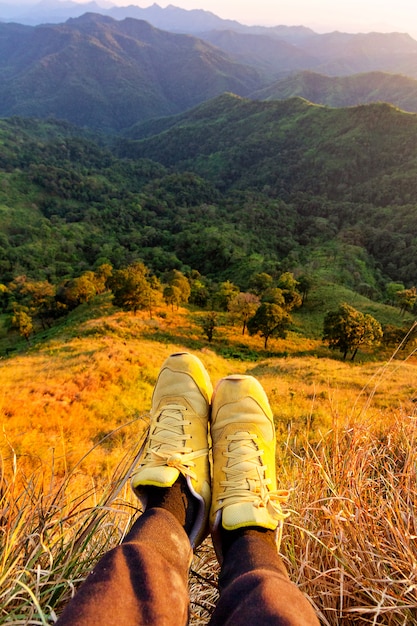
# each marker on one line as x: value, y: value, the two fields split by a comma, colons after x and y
x: 343, y: 54
x: 396, y: 89
x: 348, y: 175
x: 289, y: 145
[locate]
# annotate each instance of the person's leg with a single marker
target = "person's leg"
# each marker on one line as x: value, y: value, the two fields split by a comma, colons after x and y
x: 139, y: 581
x: 246, y: 516
x: 145, y: 579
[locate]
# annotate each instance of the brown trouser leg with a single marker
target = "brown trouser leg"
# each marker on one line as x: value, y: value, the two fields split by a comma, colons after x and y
x: 255, y: 588
x: 142, y: 581
x: 145, y: 581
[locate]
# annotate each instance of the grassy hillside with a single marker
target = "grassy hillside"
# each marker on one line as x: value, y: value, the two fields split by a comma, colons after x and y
x: 74, y: 412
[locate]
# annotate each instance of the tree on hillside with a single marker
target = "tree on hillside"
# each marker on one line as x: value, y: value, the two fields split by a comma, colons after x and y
x: 261, y: 282
x: 274, y: 295
x: 209, y: 324
x: 348, y: 329
x: 391, y: 290
x: 77, y: 291
x: 269, y: 320
x: 43, y: 304
x: 200, y: 292
x: 225, y: 293
x: 130, y: 287
x: 172, y: 295
x: 37, y: 298
x: 406, y: 299
x: 181, y: 286
x: 243, y: 307
x: 399, y: 336
x: 85, y: 287
x: 305, y: 283
x: 289, y: 287
x: 152, y: 296
x: 102, y: 274
x: 21, y: 321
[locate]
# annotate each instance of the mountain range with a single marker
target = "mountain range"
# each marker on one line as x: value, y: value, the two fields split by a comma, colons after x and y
x: 99, y: 72
x: 334, y: 54
x: 170, y: 18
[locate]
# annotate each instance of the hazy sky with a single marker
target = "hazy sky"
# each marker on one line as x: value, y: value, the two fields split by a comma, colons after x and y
x: 321, y: 15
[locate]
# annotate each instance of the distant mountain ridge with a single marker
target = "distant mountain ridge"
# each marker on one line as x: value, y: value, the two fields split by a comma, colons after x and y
x: 97, y: 72
x: 396, y: 89
x: 334, y: 54
x: 171, y: 18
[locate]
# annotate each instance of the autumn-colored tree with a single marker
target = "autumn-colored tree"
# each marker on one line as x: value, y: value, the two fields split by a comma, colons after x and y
x: 289, y: 287
x: 85, y: 287
x: 406, y: 299
x: 153, y: 294
x: 130, y: 287
x: 21, y: 321
x: 269, y: 320
x: 182, y: 285
x: 101, y: 276
x: 348, y: 329
x: 260, y: 283
x: 199, y: 292
x: 37, y: 297
x: 172, y: 295
x: 274, y: 295
x: 243, y: 307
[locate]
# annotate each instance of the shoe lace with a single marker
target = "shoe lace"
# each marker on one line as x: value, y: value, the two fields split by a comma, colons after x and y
x: 167, y: 443
x: 246, y: 479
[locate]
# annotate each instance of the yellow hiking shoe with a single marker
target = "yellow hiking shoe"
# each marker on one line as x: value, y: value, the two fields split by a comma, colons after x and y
x: 177, y: 441
x: 244, y: 487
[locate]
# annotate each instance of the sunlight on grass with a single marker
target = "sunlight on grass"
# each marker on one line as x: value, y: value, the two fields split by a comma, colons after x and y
x: 53, y: 531
x: 74, y: 417
x: 351, y: 541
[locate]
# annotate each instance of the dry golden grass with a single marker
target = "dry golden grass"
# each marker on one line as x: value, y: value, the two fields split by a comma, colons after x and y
x: 74, y: 413
x: 351, y: 541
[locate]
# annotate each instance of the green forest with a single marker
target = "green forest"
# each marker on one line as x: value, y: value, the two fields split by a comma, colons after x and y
x: 230, y: 189
x: 227, y: 196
